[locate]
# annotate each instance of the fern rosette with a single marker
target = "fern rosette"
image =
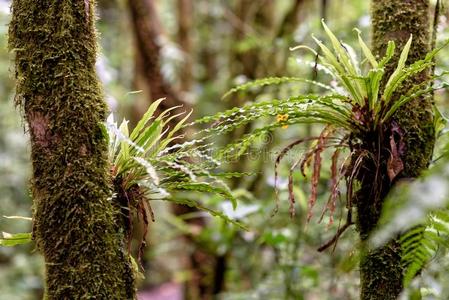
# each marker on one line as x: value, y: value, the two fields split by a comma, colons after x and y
x: 358, y: 117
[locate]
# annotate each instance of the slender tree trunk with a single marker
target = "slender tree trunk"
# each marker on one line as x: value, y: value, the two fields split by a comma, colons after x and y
x: 185, y: 20
x: 291, y: 21
x: 149, y: 78
x: 75, y: 222
x: 381, y: 270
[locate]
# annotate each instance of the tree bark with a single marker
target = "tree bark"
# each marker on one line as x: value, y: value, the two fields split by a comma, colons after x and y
x: 381, y: 271
x: 75, y: 222
x: 149, y: 77
x: 185, y: 20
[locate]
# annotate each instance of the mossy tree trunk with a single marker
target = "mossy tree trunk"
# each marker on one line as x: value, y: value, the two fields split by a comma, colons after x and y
x: 381, y: 270
x: 75, y: 221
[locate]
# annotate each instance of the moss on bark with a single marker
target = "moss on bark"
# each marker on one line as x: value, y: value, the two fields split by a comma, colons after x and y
x: 381, y: 271
x: 75, y: 221
x: 396, y: 20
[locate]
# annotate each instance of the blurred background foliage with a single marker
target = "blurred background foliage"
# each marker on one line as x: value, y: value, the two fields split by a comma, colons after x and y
x: 195, y: 51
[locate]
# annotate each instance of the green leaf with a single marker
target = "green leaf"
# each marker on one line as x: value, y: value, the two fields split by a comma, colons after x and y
x: 10, y: 240
x: 389, y: 87
x: 166, y: 113
x: 404, y: 99
x: 269, y: 81
x: 373, y: 86
x: 350, y: 68
x: 212, y: 212
x: 146, y: 117
x: 150, y: 136
x: 439, y: 121
x: 366, y: 51
x: 124, y: 153
x: 388, y: 54
x: 179, y: 125
x: 205, y: 187
x: 342, y: 53
x: 329, y: 58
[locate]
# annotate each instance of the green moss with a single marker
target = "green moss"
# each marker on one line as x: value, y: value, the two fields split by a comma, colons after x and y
x: 381, y: 270
x: 396, y: 20
x: 75, y: 221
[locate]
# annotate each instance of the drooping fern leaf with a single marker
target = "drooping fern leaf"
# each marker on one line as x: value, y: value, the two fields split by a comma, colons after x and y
x: 420, y: 244
x: 270, y: 81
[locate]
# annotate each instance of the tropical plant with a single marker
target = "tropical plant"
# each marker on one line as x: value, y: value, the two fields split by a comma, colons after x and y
x: 147, y: 165
x: 357, y: 115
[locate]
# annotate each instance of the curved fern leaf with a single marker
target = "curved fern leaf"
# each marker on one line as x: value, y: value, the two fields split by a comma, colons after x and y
x: 212, y: 212
x: 268, y: 81
x: 420, y: 244
x: 203, y: 187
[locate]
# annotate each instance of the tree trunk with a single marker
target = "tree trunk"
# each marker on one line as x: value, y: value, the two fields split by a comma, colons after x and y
x: 149, y: 78
x: 75, y: 222
x: 185, y: 20
x: 381, y: 270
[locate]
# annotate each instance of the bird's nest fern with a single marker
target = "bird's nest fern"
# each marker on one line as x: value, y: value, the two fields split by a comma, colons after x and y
x: 357, y: 117
x: 147, y: 165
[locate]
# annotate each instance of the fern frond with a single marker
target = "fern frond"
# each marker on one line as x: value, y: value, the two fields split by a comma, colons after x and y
x: 420, y: 244
x: 366, y: 51
x: 212, y: 212
x: 269, y: 81
x: 327, y: 109
x: 391, y: 83
x: 203, y: 187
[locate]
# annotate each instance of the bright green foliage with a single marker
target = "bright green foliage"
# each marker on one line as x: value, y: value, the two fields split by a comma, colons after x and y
x: 9, y: 240
x: 358, y: 113
x: 420, y: 244
x: 146, y: 158
x: 361, y: 90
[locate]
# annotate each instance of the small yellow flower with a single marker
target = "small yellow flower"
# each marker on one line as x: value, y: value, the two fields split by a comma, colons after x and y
x: 282, y: 118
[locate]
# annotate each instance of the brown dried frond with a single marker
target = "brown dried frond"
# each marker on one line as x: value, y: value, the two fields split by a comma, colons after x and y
x: 142, y: 210
x: 278, y: 161
x: 358, y: 158
x: 317, y: 170
x: 335, y: 191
